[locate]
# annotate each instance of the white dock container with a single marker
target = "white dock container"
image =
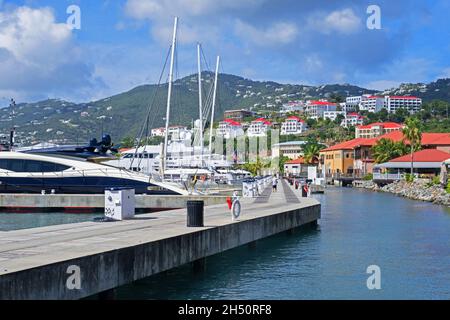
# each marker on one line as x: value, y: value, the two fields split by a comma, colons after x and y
x: 120, y: 204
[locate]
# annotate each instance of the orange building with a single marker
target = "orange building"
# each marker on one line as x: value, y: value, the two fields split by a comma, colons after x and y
x: 355, y: 156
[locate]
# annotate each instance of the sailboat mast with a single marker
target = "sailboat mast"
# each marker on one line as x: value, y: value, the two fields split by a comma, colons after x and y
x: 200, y: 102
x: 213, y: 105
x: 169, y: 94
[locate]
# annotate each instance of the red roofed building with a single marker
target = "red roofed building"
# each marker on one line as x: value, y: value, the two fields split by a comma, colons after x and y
x: 426, y: 162
x: 315, y: 109
x: 229, y: 129
x: 377, y: 129
x: 293, y: 125
x: 355, y: 156
x: 259, y: 127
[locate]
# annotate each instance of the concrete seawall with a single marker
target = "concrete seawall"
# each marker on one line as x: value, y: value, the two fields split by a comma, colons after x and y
x: 38, y: 202
x: 34, y: 263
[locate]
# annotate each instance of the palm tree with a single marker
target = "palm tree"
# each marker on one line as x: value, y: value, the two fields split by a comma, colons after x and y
x: 311, y: 152
x: 386, y: 149
x: 413, y: 132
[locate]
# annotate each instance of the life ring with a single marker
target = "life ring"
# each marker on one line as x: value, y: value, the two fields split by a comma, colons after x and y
x: 236, y: 209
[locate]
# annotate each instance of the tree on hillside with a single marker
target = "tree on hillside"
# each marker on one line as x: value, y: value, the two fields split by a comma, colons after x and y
x: 413, y: 132
x: 385, y: 150
x: 128, y: 142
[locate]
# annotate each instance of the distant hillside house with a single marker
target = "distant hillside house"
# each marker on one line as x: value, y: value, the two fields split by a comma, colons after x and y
x: 293, y: 125
x: 316, y: 109
x: 230, y: 129
x: 258, y: 127
x: 237, y: 115
x: 332, y: 115
x: 293, y: 106
x: 352, y: 119
x: 174, y: 131
x: 377, y: 129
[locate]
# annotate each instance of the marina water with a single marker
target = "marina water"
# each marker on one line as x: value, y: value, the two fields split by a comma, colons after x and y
x: 409, y: 240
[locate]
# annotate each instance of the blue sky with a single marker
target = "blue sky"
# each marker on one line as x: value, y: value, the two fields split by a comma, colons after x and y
x: 122, y: 43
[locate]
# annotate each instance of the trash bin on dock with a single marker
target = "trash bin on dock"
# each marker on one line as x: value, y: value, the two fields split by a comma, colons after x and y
x: 195, y: 211
x: 120, y: 203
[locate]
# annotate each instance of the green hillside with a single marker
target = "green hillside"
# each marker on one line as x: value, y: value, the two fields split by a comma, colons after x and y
x: 124, y: 114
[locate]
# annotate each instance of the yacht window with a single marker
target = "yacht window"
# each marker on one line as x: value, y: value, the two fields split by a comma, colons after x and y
x: 128, y: 156
x: 16, y: 165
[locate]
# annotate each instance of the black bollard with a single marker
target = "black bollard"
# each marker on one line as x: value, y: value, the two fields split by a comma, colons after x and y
x: 195, y: 213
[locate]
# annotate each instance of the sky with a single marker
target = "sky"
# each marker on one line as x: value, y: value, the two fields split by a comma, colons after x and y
x: 123, y: 43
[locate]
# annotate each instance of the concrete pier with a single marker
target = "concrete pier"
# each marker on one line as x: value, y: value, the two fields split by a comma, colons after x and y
x: 79, y: 260
x: 62, y: 202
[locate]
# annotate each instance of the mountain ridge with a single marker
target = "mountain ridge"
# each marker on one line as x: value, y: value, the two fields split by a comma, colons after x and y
x: 123, y: 114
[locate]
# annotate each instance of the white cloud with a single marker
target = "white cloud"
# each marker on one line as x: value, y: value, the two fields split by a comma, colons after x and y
x: 196, y: 16
x: 38, y: 56
x: 343, y: 21
x: 277, y: 34
x: 154, y: 9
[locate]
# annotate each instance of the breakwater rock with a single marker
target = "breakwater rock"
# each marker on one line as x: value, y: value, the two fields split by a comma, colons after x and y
x: 418, y: 190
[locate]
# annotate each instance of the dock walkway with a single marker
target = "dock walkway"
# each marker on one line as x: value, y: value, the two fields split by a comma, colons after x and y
x: 36, y: 263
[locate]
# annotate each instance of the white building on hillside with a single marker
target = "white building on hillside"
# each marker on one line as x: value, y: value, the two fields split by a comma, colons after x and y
x: 410, y: 103
x: 293, y: 125
x: 352, y: 119
x: 259, y: 127
x: 175, y: 132
x: 332, y: 115
x: 230, y: 129
x: 372, y: 103
x: 316, y: 109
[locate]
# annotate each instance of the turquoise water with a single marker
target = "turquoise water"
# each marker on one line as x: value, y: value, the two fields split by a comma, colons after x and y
x: 408, y: 240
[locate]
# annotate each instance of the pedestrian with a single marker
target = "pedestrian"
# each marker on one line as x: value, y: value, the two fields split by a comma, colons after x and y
x: 274, y: 184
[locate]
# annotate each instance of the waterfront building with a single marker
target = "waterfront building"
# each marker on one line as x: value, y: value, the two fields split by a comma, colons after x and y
x: 427, y: 162
x: 258, y: 127
x: 229, y: 129
x: 338, y: 159
x: 354, y: 157
x: 316, y: 109
x: 291, y: 149
x: 376, y: 129
x: 237, y: 115
x: 293, y: 125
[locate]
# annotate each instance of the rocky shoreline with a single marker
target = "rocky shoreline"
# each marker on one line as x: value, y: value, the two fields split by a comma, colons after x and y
x: 417, y: 190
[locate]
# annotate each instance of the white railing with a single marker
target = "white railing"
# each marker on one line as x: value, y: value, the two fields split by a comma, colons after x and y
x: 387, y: 176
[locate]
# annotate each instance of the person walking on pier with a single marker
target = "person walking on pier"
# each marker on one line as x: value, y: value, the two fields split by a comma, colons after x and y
x: 274, y: 184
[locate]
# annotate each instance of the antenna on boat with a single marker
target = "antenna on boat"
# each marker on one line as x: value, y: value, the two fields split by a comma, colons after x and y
x: 169, y: 95
x: 200, y: 102
x: 213, y: 105
x: 13, y: 127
